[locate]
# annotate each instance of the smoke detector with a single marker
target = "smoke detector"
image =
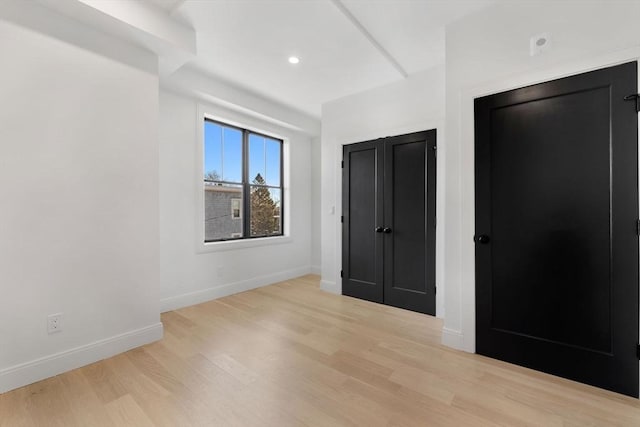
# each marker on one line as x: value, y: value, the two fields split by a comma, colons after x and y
x: 539, y: 43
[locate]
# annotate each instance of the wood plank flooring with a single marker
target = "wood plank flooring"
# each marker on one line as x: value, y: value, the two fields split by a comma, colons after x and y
x: 291, y: 355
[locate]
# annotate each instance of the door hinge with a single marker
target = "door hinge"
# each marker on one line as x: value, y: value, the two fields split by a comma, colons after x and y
x: 341, y: 273
x: 638, y: 227
x: 342, y: 164
x: 634, y: 97
x: 435, y: 289
x: 638, y: 351
x: 341, y: 218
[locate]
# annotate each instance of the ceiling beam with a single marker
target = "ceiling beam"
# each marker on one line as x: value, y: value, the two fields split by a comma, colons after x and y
x: 137, y: 22
x: 342, y: 8
x: 214, y: 90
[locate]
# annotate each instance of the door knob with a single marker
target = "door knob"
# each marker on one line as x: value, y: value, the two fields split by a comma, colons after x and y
x: 483, y: 238
x: 386, y: 230
x: 379, y: 229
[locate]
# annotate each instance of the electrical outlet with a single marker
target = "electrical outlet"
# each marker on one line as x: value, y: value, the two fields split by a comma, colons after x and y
x: 54, y: 323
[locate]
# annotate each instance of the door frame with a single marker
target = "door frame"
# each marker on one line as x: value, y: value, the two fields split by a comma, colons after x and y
x: 465, y: 338
x: 439, y: 126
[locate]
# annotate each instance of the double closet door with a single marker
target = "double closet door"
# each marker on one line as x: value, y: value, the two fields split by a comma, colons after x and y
x: 389, y: 221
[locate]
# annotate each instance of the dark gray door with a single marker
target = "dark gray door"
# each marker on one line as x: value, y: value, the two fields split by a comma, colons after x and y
x: 409, y: 215
x: 556, y: 243
x: 389, y: 221
x: 362, y: 249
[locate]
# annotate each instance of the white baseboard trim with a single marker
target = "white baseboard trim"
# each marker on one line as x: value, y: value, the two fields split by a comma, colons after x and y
x: 330, y: 287
x: 198, y: 297
x: 452, y: 338
x: 315, y: 269
x: 55, y: 364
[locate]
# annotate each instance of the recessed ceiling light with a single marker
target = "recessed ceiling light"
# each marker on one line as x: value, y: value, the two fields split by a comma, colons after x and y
x: 294, y: 59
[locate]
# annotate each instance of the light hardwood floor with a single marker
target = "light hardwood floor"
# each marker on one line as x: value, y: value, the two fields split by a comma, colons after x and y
x: 291, y: 355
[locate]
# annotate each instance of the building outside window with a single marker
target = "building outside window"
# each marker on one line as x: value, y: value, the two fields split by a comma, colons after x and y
x: 243, y: 183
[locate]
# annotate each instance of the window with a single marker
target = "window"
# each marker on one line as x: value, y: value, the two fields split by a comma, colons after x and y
x: 236, y: 207
x: 243, y: 183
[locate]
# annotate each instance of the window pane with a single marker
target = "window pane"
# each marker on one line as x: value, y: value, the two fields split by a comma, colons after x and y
x: 222, y: 211
x: 257, y: 170
x: 264, y: 160
x: 232, y: 155
x: 212, y: 151
x: 265, y: 211
x: 222, y: 153
x: 272, y: 167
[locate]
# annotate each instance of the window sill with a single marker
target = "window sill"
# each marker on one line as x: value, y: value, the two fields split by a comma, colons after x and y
x: 242, y: 244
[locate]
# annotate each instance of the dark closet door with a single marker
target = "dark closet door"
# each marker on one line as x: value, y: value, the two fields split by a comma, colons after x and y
x: 362, y: 215
x: 389, y: 201
x: 409, y: 218
x: 556, y: 244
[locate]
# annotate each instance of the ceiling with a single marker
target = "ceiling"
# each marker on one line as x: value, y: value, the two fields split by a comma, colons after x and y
x: 344, y: 46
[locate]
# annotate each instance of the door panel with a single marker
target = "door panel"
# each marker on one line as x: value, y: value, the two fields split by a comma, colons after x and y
x: 557, y: 196
x: 558, y: 216
x: 409, y: 183
x: 362, y: 242
x: 362, y: 206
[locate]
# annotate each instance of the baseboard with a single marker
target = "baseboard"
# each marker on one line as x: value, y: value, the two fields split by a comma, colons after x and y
x: 330, y: 287
x: 315, y: 269
x: 55, y: 364
x: 197, y: 297
x: 452, y: 338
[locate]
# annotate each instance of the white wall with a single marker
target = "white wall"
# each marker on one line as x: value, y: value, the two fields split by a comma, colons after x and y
x: 78, y: 197
x: 188, y: 276
x: 488, y: 52
x: 410, y: 105
x: 316, y: 185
